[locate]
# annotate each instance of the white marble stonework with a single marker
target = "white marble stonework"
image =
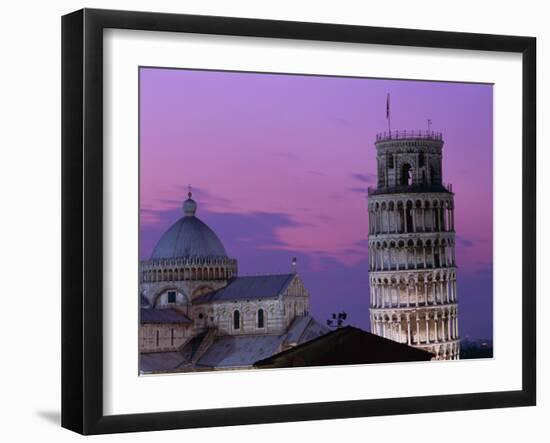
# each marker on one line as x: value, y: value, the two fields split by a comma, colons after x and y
x: 412, y: 267
x: 190, y: 289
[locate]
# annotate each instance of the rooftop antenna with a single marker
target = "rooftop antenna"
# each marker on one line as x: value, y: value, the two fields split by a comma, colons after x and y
x: 388, y: 114
x: 429, y: 124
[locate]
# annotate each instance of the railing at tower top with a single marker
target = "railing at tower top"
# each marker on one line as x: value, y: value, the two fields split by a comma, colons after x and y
x: 401, y: 135
x: 442, y: 187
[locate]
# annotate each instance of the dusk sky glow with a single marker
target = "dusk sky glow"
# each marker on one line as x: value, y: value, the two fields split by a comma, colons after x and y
x: 279, y: 166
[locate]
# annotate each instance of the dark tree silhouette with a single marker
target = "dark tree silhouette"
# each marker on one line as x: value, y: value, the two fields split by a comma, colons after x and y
x: 337, y: 320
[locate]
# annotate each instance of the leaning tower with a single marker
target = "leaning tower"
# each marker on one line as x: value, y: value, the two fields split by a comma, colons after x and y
x: 412, y: 269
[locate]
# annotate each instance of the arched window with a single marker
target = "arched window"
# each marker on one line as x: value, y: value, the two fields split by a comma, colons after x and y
x: 434, y: 179
x: 260, y: 318
x: 409, y: 216
x: 390, y: 161
x: 406, y: 175
x: 171, y: 296
x: 236, y: 320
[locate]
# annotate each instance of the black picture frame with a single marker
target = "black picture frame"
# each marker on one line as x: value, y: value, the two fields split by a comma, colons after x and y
x: 82, y: 215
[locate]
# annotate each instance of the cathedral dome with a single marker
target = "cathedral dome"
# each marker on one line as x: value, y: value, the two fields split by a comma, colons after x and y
x: 189, y: 237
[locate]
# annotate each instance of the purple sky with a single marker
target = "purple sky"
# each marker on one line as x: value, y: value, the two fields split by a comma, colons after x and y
x: 279, y: 166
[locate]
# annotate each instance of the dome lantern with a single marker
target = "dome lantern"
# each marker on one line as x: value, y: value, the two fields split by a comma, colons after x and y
x: 189, y: 206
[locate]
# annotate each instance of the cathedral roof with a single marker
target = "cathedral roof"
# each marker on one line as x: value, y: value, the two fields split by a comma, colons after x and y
x: 232, y: 351
x: 304, y: 328
x: 152, y: 315
x: 160, y: 361
x: 256, y: 286
x: 189, y: 237
x: 240, y: 351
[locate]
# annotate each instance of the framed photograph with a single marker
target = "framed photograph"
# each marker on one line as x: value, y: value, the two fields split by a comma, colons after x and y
x: 256, y: 210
